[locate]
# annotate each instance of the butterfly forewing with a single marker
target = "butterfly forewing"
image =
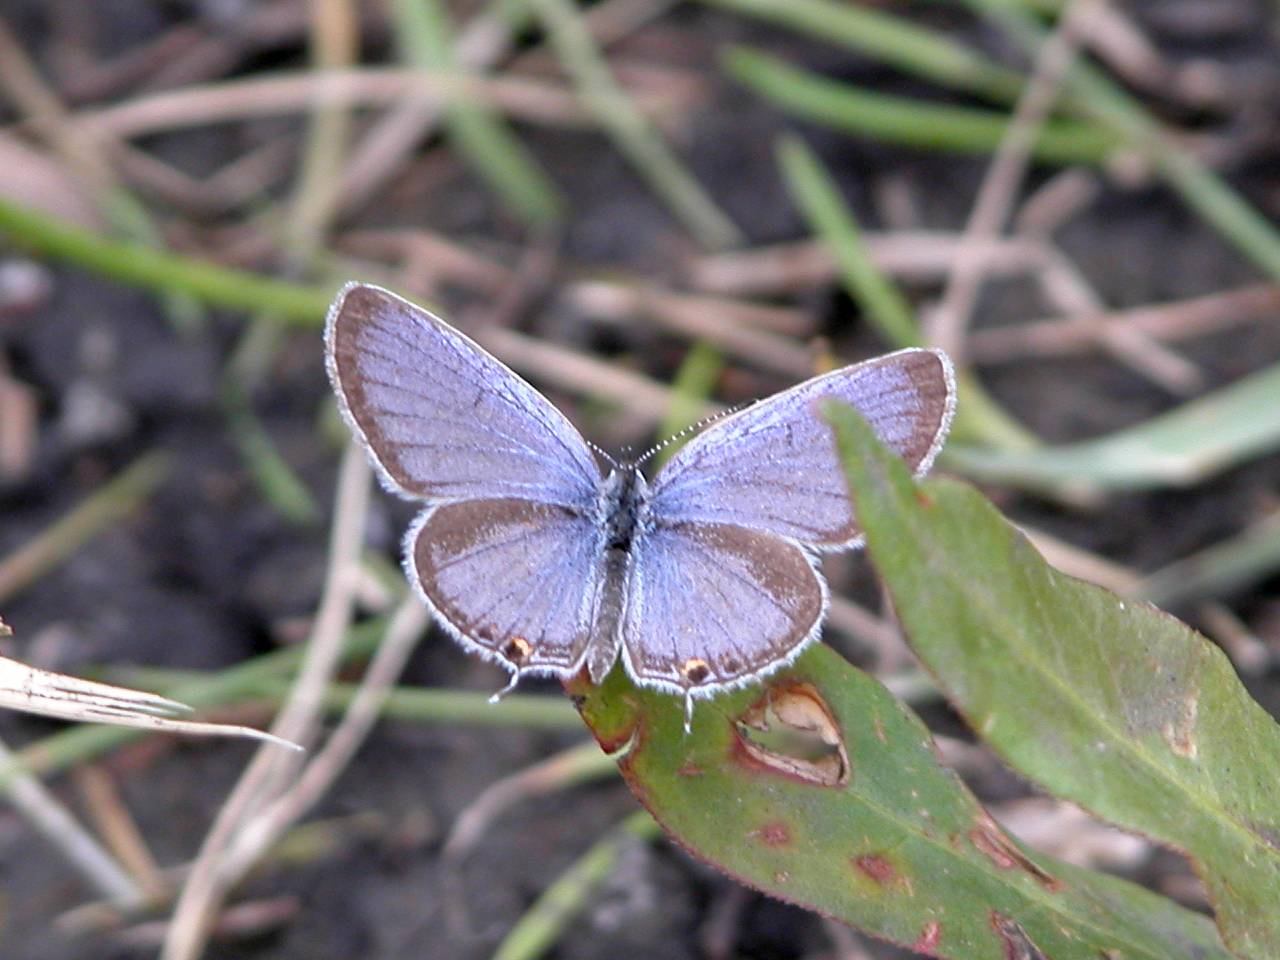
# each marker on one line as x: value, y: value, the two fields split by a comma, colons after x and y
x: 709, y: 605
x: 442, y: 418
x: 773, y: 466
x: 513, y: 579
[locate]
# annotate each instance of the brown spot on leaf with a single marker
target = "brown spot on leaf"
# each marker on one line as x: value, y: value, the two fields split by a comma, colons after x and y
x: 775, y: 833
x: 877, y: 868
x: 1017, y: 945
x: 1179, y: 730
x: 689, y: 769
x: 929, y: 939
x: 781, y: 876
x: 880, y: 870
x: 923, y: 499
x: 790, y: 731
x: 995, y: 845
x: 878, y: 728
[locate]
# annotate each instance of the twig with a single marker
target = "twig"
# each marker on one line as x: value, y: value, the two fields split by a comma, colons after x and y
x: 485, y: 41
x: 1066, y: 287
x: 334, y: 46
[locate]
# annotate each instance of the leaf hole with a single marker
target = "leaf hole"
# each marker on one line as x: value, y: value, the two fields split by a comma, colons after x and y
x: 790, y: 731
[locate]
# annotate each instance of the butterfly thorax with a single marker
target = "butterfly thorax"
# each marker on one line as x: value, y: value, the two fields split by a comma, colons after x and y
x: 623, y: 505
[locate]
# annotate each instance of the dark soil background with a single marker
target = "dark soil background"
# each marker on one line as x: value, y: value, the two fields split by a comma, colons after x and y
x: 206, y: 573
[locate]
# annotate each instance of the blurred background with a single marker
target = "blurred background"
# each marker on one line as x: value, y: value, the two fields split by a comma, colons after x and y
x: 649, y: 208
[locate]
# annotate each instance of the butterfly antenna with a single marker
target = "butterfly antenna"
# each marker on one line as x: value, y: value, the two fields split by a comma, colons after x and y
x: 511, y: 685
x: 600, y: 450
x: 691, y: 428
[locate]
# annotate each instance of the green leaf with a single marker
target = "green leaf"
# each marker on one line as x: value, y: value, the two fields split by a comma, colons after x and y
x: 1114, y: 705
x: 872, y: 830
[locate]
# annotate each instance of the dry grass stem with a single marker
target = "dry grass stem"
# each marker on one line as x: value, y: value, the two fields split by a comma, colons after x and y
x: 259, y: 833
x: 557, y: 772
x: 1064, y: 286
x: 433, y: 258
x: 535, y: 101
x: 271, y: 772
x: 1080, y: 334
x: 49, y: 818
x: 789, y: 269
x: 999, y: 189
x: 116, y: 825
x: 697, y: 318
x: 1083, y: 564
x: 570, y: 370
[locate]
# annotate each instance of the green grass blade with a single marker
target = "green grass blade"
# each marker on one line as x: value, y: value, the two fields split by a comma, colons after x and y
x: 901, y: 849
x: 1176, y: 449
x: 152, y: 269
x: 1114, y: 705
x: 890, y: 39
x: 1091, y: 90
x: 905, y: 120
x: 635, y: 137
x: 426, y: 39
x: 978, y: 417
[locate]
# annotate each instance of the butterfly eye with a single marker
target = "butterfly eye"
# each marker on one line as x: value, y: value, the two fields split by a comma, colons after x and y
x: 695, y: 670
x: 517, y: 649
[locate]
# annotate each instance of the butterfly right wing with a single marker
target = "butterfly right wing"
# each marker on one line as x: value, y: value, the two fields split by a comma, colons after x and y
x: 513, y: 580
x: 442, y: 419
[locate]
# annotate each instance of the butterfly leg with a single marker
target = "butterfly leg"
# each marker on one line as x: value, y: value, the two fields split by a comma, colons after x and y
x: 511, y: 685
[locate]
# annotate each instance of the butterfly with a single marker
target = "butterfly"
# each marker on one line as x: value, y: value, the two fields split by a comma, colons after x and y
x: 528, y: 553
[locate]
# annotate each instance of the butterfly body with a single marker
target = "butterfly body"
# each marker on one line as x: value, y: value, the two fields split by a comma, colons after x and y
x: 703, y: 578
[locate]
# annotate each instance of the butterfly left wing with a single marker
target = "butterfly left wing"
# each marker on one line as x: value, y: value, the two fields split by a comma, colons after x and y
x: 513, y: 580
x: 773, y: 467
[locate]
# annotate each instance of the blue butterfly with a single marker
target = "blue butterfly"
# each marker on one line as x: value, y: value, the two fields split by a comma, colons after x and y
x: 528, y: 553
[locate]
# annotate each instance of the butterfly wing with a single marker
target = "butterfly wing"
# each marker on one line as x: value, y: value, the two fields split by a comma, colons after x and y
x: 508, y: 554
x: 442, y: 419
x: 773, y: 466
x: 721, y: 585
x: 511, y: 579
x: 711, y: 605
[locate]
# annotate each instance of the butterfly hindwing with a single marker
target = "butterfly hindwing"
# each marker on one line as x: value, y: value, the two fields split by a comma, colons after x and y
x: 709, y: 605
x: 514, y: 580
